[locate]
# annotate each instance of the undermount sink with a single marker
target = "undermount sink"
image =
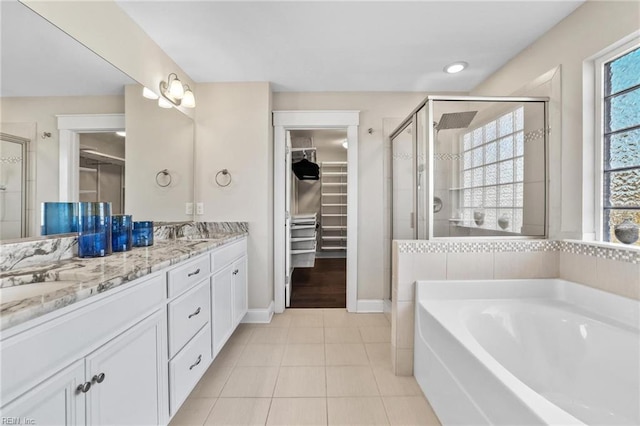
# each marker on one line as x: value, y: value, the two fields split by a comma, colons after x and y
x: 25, y: 291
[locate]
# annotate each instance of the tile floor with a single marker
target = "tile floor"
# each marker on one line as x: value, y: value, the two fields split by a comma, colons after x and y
x: 307, y: 367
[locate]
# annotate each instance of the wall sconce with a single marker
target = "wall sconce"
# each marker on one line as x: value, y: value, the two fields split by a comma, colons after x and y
x: 176, y: 93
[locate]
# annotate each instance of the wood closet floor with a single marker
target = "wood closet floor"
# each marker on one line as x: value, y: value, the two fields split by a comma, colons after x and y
x: 323, y: 286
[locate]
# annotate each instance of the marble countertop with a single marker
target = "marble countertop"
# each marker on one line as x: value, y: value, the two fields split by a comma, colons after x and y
x: 94, y: 276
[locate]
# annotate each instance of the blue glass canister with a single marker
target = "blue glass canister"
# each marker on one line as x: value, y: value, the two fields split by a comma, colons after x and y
x: 143, y: 234
x: 121, y: 232
x: 59, y: 218
x: 94, y: 230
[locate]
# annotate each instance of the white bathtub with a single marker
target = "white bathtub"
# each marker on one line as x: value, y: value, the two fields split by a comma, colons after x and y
x: 527, y: 352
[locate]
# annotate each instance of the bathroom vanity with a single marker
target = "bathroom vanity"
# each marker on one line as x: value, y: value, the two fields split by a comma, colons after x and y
x: 122, y: 339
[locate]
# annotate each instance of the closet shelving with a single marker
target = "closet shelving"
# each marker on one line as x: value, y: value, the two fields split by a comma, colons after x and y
x: 333, y: 205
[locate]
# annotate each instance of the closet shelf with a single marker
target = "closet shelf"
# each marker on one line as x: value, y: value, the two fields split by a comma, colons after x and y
x: 333, y: 248
x: 334, y: 184
x: 334, y: 205
x: 334, y: 227
x: 334, y: 163
x: 87, y: 191
x: 336, y: 238
x: 334, y: 174
x: 334, y: 194
x: 334, y: 215
x: 88, y: 170
x: 101, y: 157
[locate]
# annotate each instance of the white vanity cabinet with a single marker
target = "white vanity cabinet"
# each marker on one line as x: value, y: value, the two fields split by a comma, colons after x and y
x: 228, y: 291
x: 130, y: 355
x: 111, y: 373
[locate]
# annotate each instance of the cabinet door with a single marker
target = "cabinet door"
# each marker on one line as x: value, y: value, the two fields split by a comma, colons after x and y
x: 240, y: 303
x: 222, y: 319
x: 125, y: 377
x: 56, y: 401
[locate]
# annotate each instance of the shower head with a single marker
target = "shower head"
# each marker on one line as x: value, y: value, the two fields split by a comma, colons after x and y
x: 455, y: 120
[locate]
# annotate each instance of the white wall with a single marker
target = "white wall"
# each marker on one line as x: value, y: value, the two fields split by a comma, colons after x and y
x: 591, y: 28
x: 157, y: 139
x: 374, y: 107
x: 234, y: 132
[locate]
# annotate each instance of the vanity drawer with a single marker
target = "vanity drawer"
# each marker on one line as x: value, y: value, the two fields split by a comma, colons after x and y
x: 227, y: 254
x: 188, y: 367
x: 186, y: 276
x: 187, y: 314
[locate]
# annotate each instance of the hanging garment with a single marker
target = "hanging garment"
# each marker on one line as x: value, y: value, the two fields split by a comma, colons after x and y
x: 306, y: 170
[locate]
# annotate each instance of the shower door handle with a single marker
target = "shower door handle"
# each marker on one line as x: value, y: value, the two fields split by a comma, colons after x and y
x: 412, y: 219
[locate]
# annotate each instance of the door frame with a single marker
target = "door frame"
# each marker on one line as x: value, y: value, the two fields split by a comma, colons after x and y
x: 309, y: 120
x: 69, y: 128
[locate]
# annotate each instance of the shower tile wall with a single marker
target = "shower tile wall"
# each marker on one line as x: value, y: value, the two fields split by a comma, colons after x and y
x: 611, y: 269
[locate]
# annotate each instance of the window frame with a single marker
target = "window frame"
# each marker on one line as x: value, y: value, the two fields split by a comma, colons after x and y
x: 497, y: 185
x: 610, y: 55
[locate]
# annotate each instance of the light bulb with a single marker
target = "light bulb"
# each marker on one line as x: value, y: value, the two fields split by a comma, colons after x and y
x: 455, y: 67
x: 122, y: 134
x: 176, y: 89
x: 188, y: 100
x: 149, y: 94
x: 163, y: 103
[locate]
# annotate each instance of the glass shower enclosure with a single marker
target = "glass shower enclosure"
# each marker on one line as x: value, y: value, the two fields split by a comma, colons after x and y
x: 471, y: 167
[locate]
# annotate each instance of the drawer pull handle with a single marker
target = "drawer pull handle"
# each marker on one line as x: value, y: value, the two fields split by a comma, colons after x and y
x: 98, y: 378
x: 84, y: 387
x: 195, y: 313
x: 197, y: 362
x: 196, y: 272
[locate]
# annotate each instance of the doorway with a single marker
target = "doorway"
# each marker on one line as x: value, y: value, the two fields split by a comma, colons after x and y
x: 319, y: 218
x: 284, y: 122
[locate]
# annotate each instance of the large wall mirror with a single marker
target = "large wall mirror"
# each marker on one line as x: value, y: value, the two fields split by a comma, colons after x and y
x: 75, y: 128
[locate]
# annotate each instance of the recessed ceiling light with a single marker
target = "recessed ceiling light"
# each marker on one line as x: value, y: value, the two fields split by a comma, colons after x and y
x: 455, y: 67
x: 122, y: 134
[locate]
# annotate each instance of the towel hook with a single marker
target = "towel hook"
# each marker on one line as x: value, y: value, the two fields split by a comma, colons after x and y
x: 164, y: 173
x: 223, y: 172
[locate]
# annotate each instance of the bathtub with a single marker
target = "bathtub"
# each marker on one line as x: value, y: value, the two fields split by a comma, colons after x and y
x: 527, y: 352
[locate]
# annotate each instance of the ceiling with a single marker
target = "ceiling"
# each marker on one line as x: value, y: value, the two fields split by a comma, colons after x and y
x: 38, y: 59
x: 296, y: 45
x: 345, y: 45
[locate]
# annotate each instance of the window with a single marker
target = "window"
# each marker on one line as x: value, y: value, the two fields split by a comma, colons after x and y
x: 493, y: 173
x: 621, y: 142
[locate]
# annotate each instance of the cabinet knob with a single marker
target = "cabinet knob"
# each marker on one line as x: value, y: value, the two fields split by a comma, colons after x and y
x: 196, y: 272
x: 83, y: 387
x: 98, y: 378
x: 196, y: 363
x: 195, y: 313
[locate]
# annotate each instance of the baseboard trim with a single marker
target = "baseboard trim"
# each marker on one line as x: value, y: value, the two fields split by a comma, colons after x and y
x: 259, y: 316
x: 370, y: 305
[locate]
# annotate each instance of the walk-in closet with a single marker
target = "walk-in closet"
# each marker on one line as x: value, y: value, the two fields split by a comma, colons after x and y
x: 318, y: 218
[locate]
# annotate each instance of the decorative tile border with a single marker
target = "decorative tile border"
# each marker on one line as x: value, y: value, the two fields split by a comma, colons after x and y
x: 445, y: 156
x: 522, y: 246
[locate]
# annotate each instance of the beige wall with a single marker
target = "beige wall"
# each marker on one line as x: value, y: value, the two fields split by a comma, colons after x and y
x: 591, y: 28
x: 157, y: 139
x: 234, y: 132
x: 374, y: 107
x: 41, y: 113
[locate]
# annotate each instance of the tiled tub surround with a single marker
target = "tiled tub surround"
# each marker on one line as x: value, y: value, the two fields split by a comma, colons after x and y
x: 94, y: 276
x: 614, y: 269
x: 40, y: 250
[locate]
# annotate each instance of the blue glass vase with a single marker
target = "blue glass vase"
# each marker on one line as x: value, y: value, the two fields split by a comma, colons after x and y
x: 121, y: 232
x: 94, y: 230
x: 59, y: 218
x: 142, y: 234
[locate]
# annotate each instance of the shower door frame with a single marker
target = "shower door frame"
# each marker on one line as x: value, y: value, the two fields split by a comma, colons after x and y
x: 429, y: 103
x: 24, y: 197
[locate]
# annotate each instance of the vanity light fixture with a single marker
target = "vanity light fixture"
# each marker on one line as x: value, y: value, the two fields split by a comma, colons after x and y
x: 455, y: 67
x: 163, y: 103
x: 176, y: 93
x: 345, y: 144
x: 149, y: 94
